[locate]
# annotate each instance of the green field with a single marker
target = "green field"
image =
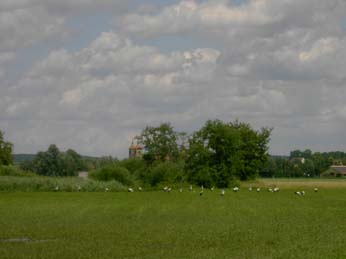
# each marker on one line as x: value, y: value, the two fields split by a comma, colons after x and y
x: 174, y: 225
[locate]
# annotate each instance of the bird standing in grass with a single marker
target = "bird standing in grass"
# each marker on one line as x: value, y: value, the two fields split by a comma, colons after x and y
x: 56, y: 188
x: 235, y: 189
x: 181, y: 190
x: 222, y: 192
x: 212, y: 188
x: 130, y: 189
x: 258, y: 189
x: 201, y: 193
x: 107, y: 189
x: 250, y: 189
x: 276, y: 189
x: 79, y: 188
x: 316, y: 189
x: 190, y: 188
x: 140, y: 189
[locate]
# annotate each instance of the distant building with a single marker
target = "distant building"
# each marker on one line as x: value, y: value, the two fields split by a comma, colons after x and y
x: 336, y: 171
x: 83, y: 175
x: 297, y: 161
x: 135, y: 150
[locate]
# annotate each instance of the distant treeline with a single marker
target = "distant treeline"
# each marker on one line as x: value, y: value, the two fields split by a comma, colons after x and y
x: 302, y: 164
x: 19, y: 158
x: 54, y: 162
x: 218, y: 154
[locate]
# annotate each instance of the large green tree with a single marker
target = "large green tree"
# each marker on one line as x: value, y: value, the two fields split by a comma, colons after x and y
x: 160, y: 143
x: 220, y: 152
x: 5, y: 151
x: 55, y: 163
x: 49, y: 162
x: 253, y: 149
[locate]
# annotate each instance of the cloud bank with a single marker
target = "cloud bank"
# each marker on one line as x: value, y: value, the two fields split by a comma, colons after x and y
x: 271, y: 63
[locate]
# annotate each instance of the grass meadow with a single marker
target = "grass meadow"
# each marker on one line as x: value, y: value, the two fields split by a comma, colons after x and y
x: 174, y: 225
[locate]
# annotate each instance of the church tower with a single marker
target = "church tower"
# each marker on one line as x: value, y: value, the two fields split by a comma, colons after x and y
x: 135, y: 150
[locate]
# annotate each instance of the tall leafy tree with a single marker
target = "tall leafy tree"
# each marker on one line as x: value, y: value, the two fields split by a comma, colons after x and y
x: 5, y: 151
x: 160, y: 143
x: 253, y: 149
x: 55, y: 163
x: 212, y: 155
x: 78, y: 163
x: 50, y: 162
x: 220, y: 152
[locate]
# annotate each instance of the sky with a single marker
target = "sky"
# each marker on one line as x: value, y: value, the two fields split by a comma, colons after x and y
x: 90, y: 75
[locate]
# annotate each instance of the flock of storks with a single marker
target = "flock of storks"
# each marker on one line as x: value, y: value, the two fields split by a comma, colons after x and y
x: 222, y: 193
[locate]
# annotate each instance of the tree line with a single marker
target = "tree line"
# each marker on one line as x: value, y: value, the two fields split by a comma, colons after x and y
x: 302, y: 163
x: 218, y: 154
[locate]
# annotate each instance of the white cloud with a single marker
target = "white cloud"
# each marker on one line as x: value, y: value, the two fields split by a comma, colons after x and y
x: 73, y: 97
x: 190, y: 15
x: 261, y: 39
x: 255, y: 17
x: 320, y: 48
x: 24, y: 23
x: 5, y: 58
x: 111, y: 83
x: 23, y: 27
x: 64, y: 6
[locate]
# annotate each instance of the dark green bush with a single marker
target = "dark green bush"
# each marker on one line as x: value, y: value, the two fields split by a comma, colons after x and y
x: 203, y: 177
x: 165, y: 172
x: 113, y: 172
x: 133, y: 165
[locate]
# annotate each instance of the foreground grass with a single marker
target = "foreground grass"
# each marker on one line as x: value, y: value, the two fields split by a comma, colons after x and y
x: 173, y: 225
